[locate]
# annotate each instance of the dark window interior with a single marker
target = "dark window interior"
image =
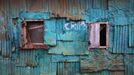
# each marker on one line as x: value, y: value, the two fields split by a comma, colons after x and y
x: 35, y: 31
x: 102, y: 34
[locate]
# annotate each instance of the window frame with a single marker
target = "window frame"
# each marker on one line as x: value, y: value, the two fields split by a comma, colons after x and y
x: 24, y: 40
x: 107, y: 35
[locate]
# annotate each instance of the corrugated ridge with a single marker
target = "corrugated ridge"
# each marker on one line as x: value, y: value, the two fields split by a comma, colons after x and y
x: 121, y: 39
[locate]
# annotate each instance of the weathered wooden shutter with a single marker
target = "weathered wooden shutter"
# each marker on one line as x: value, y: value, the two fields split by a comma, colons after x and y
x: 50, y: 32
x: 94, y: 34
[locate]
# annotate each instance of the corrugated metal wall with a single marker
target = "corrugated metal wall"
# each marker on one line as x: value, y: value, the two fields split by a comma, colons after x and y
x: 129, y: 61
x: 121, y: 39
x: 68, y: 68
x: 64, y: 56
x: 131, y: 36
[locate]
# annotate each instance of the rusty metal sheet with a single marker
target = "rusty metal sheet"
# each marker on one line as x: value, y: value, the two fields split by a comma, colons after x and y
x: 62, y: 8
x: 15, y: 7
x: 117, y: 73
x: 98, y: 60
x: 35, y: 6
x: 70, y: 9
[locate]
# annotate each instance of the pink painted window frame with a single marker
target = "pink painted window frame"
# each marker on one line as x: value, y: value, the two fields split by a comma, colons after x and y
x: 94, y: 43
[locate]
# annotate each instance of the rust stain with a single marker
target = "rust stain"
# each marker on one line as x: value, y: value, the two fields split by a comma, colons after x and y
x: 64, y: 8
x: 102, y: 64
x: 24, y: 36
x: 30, y: 63
x: 65, y: 67
x: 63, y: 4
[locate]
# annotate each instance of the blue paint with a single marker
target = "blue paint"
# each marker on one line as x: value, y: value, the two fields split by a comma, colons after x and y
x: 50, y: 32
x: 121, y: 40
x: 70, y: 48
x: 67, y: 39
x: 34, y: 15
x: 62, y: 58
x: 131, y: 36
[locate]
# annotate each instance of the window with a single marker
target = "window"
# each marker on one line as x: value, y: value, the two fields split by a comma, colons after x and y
x: 102, y: 34
x: 32, y: 34
x: 98, y: 35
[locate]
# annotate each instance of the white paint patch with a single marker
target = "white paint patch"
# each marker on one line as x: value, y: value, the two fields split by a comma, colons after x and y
x: 76, y: 26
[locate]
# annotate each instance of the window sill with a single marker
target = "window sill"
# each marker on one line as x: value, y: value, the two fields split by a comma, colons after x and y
x: 35, y: 46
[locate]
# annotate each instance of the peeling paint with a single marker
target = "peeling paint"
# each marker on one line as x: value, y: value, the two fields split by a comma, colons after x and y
x: 66, y: 35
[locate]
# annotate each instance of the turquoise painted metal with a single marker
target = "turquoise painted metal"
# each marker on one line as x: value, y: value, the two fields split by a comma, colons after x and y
x: 66, y: 34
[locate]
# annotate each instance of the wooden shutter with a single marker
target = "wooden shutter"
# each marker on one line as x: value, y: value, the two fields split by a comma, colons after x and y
x: 94, y: 29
